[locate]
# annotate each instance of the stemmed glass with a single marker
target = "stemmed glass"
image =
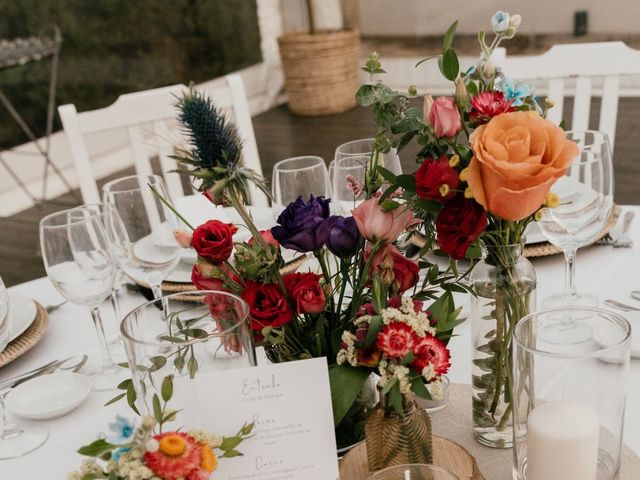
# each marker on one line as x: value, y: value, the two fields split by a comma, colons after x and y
x: 348, y: 178
x: 76, y: 257
x: 298, y: 176
x: 15, y: 440
x: 141, y: 229
x: 586, y: 201
x: 364, y: 146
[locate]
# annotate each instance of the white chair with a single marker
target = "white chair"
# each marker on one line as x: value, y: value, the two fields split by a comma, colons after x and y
x: 149, y: 118
x: 572, y: 68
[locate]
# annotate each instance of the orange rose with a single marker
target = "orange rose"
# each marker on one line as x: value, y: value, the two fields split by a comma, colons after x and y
x: 517, y: 157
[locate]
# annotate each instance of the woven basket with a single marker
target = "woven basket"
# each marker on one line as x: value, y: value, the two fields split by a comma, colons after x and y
x: 321, y: 71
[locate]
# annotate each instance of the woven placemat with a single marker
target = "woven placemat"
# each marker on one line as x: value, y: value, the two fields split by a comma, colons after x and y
x: 28, y: 339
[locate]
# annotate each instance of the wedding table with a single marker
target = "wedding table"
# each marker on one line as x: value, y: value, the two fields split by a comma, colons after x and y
x: 605, y: 271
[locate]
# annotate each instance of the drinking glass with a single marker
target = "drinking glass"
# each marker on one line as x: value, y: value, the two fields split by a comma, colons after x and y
x: 78, y: 262
x: 141, y: 229
x: 348, y: 177
x: 364, y: 146
x: 569, y: 398
x: 15, y: 440
x: 298, y: 177
x: 414, y: 472
x: 203, y: 332
x: 586, y: 201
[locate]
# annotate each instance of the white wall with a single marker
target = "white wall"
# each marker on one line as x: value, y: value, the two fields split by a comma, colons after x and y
x: 432, y: 17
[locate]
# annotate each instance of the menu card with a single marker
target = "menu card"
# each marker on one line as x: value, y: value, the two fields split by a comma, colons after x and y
x: 290, y: 404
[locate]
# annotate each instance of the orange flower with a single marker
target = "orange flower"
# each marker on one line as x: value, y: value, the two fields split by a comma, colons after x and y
x: 517, y: 157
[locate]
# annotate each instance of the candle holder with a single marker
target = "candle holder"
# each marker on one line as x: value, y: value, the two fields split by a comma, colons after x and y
x: 568, y: 398
x: 413, y: 472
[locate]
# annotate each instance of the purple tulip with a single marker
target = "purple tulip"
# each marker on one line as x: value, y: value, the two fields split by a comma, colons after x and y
x: 340, y: 234
x: 298, y: 224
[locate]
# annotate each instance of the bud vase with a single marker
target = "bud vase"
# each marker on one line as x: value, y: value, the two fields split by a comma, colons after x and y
x: 504, y: 289
x: 394, y: 439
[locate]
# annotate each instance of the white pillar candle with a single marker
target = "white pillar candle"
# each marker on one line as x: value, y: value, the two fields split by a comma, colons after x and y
x: 562, y: 442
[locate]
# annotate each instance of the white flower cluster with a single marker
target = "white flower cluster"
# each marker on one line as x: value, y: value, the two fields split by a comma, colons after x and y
x: 418, y: 321
x: 208, y: 438
x: 349, y: 354
x: 390, y: 370
x: 88, y: 467
x: 130, y: 466
x: 436, y: 389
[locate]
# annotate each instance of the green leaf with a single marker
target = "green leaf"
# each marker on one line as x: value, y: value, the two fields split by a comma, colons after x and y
x: 472, y: 88
x: 229, y: 443
x: 378, y: 294
x: 132, y: 397
x: 124, y: 385
x: 157, y: 408
x: 366, y: 96
x: 384, y: 94
x: 395, y: 397
x: 389, y: 205
x: 167, y: 388
x: 248, y: 428
x: 408, y: 358
x: 424, y: 60
x: 447, y: 41
x: 96, y: 448
x: 157, y: 363
x: 408, y: 182
x: 375, y: 325
x: 419, y: 388
x: 387, y: 175
x: 390, y: 384
x: 384, y: 114
x: 231, y: 453
x: 450, y: 66
x: 427, y: 205
x: 115, y: 399
x: 441, y: 308
x: 192, y: 366
x: 346, y: 384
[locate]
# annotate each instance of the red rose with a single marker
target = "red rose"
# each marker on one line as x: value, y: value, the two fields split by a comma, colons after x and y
x: 432, y: 175
x: 459, y: 223
x: 487, y: 105
x: 214, y: 240
x: 267, y: 305
x: 407, y: 272
x: 396, y: 340
x: 305, y: 292
x: 206, y: 276
x: 394, y: 268
x: 430, y: 350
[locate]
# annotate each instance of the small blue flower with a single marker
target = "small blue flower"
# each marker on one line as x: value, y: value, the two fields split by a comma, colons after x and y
x: 115, y: 456
x: 500, y: 21
x: 122, y: 430
x: 514, y: 91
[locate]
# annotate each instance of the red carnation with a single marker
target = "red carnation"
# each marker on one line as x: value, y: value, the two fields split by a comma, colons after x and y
x: 430, y: 350
x: 459, y: 223
x: 305, y: 292
x: 213, y: 240
x: 487, y: 105
x: 432, y: 175
x: 267, y: 305
x: 396, y: 340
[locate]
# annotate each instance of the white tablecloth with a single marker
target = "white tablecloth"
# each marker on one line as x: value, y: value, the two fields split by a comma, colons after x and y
x: 603, y: 270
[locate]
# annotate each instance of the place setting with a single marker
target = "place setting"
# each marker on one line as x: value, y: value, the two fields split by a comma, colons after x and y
x: 352, y: 316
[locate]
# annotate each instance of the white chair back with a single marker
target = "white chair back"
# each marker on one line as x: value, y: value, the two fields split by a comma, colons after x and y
x: 574, y: 67
x: 149, y: 118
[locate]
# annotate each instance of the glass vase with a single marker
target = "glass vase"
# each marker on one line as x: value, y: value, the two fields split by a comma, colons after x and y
x: 394, y: 439
x: 504, y: 291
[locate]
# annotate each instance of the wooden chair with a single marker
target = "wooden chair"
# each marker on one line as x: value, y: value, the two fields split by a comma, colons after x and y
x: 574, y: 69
x: 149, y: 118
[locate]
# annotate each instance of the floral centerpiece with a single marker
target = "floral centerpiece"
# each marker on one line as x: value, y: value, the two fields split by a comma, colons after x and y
x: 344, y: 264
x: 146, y: 452
x: 487, y: 161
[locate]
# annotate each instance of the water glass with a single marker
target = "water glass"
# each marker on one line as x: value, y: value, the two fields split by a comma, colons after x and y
x: 414, y: 472
x: 200, y: 333
x: 78, y: 262
x: 364, y: 146
x: 298, y: 177
x: 141, y: 228
x: 569, y: 398
x: 348, y: 179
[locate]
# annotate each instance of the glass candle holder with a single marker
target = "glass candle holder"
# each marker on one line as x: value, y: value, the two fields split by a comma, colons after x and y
x: 569, y: 398
x: 197, y: 333
x: 414, y: 472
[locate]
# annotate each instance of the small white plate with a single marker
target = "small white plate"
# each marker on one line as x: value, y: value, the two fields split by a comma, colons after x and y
x: 23, y: 313
x: 49, y: 396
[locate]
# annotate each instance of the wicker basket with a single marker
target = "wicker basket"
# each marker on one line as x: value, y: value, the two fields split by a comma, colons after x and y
x: 321, y: 71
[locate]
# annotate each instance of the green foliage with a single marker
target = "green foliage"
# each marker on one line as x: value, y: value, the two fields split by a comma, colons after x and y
x: 119, y: 46
x: 346, y: 383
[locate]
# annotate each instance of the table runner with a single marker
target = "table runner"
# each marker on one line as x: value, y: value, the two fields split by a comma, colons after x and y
x: 495, y: 464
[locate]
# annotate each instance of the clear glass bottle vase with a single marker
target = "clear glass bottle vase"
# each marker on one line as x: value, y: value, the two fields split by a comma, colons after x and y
x: 504, y: 291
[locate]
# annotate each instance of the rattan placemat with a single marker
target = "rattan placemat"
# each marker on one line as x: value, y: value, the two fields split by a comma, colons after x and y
x: 28, y: 339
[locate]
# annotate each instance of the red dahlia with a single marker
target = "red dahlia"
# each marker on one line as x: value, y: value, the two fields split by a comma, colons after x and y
x: 487, y: 105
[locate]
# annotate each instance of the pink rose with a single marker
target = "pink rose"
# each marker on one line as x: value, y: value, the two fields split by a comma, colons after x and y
x: 444, y: 117
x: 183, y: 238
x: 376, y: 224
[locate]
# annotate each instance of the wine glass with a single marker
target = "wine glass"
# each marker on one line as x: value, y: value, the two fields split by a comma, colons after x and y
x: 586, y: 201
x: 348, y: 178
x: 15, y: 440
x: 364, y: 146
x: 141, y: 229
x: 298, y: 176
x: 78, y: 262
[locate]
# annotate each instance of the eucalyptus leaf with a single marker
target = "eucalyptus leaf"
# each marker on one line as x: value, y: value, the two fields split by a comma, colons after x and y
x: 366, y: 95
x: 157, y: 408
x: 166, y: 389
x: 447, y: 41
x: 450, y: 65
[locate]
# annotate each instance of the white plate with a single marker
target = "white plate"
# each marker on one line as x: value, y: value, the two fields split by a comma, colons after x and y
x: 49, y: 396
x: 23, y: 313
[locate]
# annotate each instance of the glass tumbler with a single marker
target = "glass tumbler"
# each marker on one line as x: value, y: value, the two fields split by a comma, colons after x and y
x: 202, y: 332
x: 569, y: 398
x: 414, y: 472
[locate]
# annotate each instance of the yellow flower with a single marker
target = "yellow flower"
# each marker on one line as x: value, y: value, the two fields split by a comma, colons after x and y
x: 444, y: 189
x: 464, y: 174
x: 454, y: 161
x: 549, y: 103
x: 538, y: 215
x: 172, y: 445
x: 468, y: 193
x: 552, y: 200
x: 209, y: 459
